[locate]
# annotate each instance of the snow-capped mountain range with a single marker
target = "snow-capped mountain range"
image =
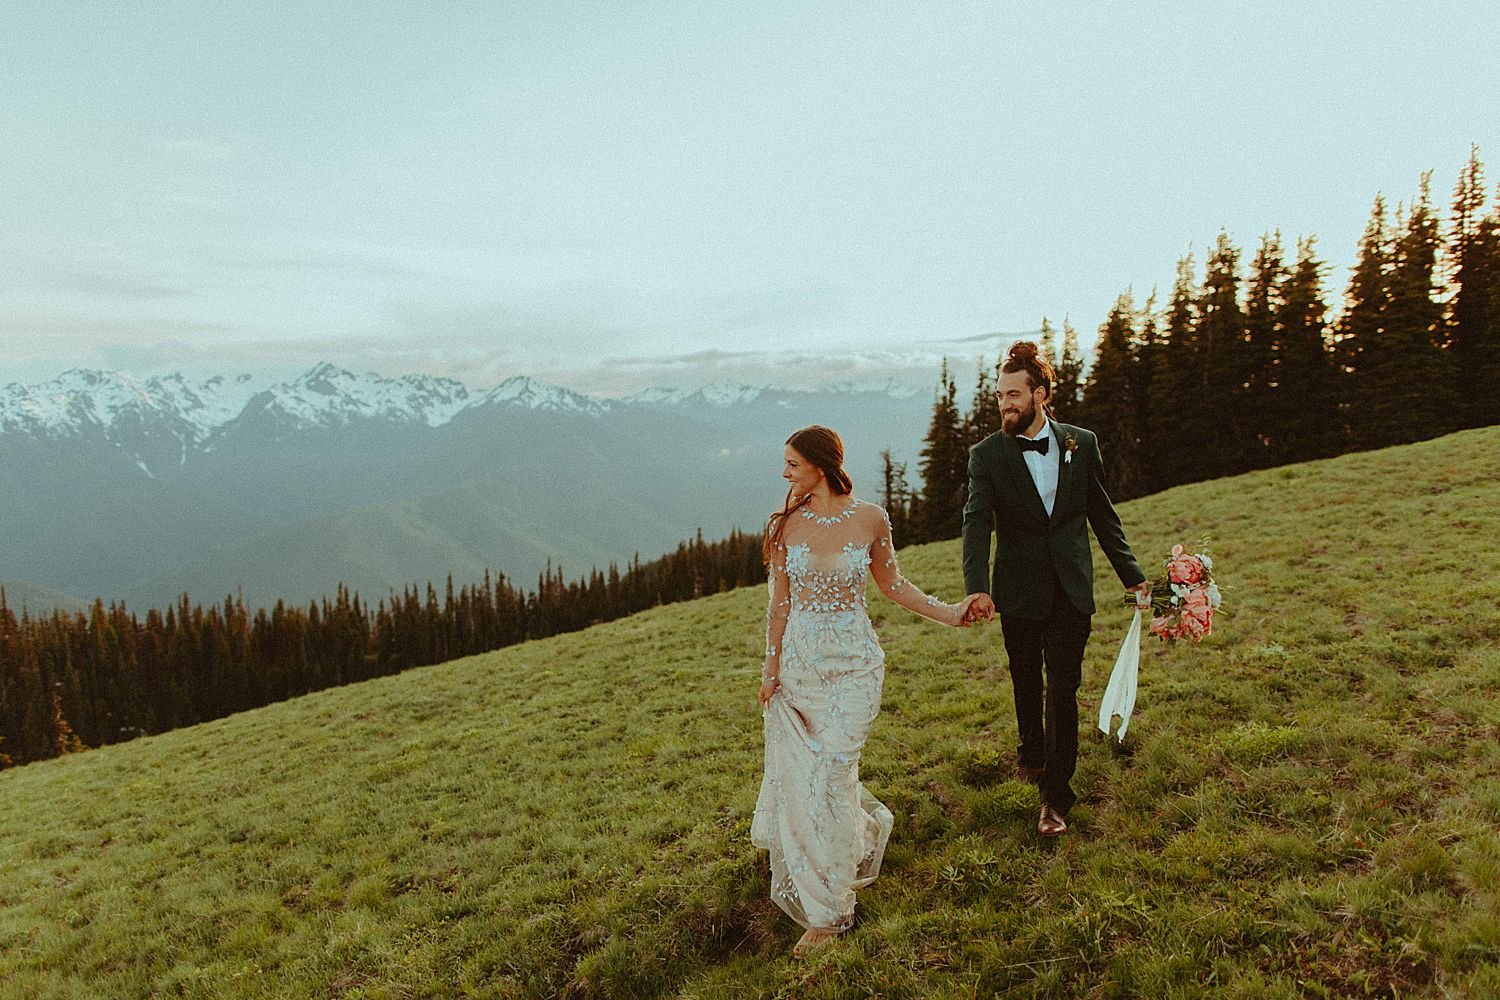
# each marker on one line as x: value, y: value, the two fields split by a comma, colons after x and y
x: 142, y: 488
x: 85, y: 403
x: 82, y: 403
x: 99, y: 404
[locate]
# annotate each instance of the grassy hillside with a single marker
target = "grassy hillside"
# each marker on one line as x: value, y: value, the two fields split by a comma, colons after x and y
x: 1308, y: 803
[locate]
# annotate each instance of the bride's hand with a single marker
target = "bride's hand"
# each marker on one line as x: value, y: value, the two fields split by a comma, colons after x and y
x: 964, y: 610
x: 768, y: 687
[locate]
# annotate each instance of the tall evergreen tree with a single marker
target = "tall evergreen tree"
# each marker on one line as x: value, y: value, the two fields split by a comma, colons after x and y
x: 1263, y: 300
x: 1069, y: 387
x: 1146, y: 349
x: 65, y: 741
x: 1047, y: 344
x: 1402, y: 389
x: 1304, y: 419
x: 1481, y: 387
x: 1473, y: 333
x: 984, y: 412
x: 1174, y: 383
x: 1362, y: 326
x: 895, y: 496
x: 1215, y: 424
x: 945, y: 467
x: 1107, y: 407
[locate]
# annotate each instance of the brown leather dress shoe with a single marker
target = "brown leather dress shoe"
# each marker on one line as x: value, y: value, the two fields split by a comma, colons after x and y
x: 1050, y: 823
x: 1030, y: 775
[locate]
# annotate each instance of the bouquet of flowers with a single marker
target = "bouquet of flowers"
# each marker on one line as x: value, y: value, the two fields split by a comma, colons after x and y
x: 1183, y: 602
x: 1185, y: 597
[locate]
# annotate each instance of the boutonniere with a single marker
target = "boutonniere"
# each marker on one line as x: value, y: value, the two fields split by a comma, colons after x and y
x: 1069, y: 446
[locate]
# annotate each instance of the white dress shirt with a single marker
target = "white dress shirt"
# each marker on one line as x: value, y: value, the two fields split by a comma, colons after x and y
x: 1044, y: 468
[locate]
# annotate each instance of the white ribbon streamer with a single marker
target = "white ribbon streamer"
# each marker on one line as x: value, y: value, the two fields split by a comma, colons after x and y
x: 1119, y: 694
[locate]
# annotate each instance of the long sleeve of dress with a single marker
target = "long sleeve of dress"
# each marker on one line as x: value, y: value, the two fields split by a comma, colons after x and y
x: 778, y: 609
x: 898, y: 588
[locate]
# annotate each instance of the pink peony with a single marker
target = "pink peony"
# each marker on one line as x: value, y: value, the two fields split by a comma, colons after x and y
x: 1183, y: 568
x: 1162, y: 627
x: 1196, y: 597
x: 1197, y: 613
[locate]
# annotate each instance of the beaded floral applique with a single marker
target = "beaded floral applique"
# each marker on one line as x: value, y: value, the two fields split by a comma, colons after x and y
x: 810, y: 515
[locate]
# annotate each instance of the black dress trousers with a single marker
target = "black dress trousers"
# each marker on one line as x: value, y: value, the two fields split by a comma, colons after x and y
x: 1046, y: 665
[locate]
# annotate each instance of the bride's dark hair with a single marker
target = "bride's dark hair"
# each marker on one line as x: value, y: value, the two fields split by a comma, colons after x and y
x: 823, y: 448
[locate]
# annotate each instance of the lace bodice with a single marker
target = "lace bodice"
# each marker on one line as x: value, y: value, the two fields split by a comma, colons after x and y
x: 828, y: 581
x: 823, y: 562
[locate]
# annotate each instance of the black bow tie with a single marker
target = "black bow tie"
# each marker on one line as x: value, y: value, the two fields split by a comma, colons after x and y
x: 1039, y: 445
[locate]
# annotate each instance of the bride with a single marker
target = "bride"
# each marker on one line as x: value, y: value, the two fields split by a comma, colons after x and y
x: 820, y: 687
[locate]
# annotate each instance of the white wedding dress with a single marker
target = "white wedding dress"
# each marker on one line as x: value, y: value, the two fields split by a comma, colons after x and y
x: 825, y: 832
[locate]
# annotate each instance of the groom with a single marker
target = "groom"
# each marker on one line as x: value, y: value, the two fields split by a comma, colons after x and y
x: 1034, y: 484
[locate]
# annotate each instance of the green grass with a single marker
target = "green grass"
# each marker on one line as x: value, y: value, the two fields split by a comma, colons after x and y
x: 1307, y: 804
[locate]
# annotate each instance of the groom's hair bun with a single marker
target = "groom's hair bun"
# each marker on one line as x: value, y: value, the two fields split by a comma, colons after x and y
x: 1022, y: 350
x: 1025, y: 356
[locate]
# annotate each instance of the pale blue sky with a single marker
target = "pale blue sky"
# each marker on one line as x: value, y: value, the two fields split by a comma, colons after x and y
x: 609, y: 195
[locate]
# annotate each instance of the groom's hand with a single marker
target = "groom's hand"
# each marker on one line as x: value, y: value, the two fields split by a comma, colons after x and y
x: 981, y: 606
x: 1142, y: 592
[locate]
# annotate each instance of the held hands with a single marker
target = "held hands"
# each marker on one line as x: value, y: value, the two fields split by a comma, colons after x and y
x: 976, y: 608
x: 981, y: 607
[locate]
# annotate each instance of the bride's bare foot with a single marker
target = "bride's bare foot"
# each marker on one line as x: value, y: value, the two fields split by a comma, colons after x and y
x: 811, y: 940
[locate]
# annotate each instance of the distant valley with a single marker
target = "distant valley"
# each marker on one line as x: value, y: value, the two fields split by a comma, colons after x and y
x: 142, y: 489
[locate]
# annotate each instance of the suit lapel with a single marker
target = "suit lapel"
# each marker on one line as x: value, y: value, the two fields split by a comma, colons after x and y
x: 1060, y: 435
x: 1031, y: 500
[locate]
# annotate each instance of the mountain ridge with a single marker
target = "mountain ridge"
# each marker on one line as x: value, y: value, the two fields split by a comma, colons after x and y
x: 129, y: 489
x: 88, y: 402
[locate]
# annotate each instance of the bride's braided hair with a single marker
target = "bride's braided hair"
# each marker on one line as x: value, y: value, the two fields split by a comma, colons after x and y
x: 823, y: 448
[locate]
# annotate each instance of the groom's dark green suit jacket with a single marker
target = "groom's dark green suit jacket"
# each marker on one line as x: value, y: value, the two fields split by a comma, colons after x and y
x: 1033, y: 550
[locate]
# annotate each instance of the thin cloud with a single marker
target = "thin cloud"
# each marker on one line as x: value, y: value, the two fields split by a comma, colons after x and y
x: 915, y: 369
x: 987, y: 337
x: 38, y: 333
x: 318, y: 261
x: 711, y: 356
x: 113, y: 281
x: 520, y: 331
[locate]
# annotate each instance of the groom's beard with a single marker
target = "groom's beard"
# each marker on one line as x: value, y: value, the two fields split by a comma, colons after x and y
x: 1013, y: 422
